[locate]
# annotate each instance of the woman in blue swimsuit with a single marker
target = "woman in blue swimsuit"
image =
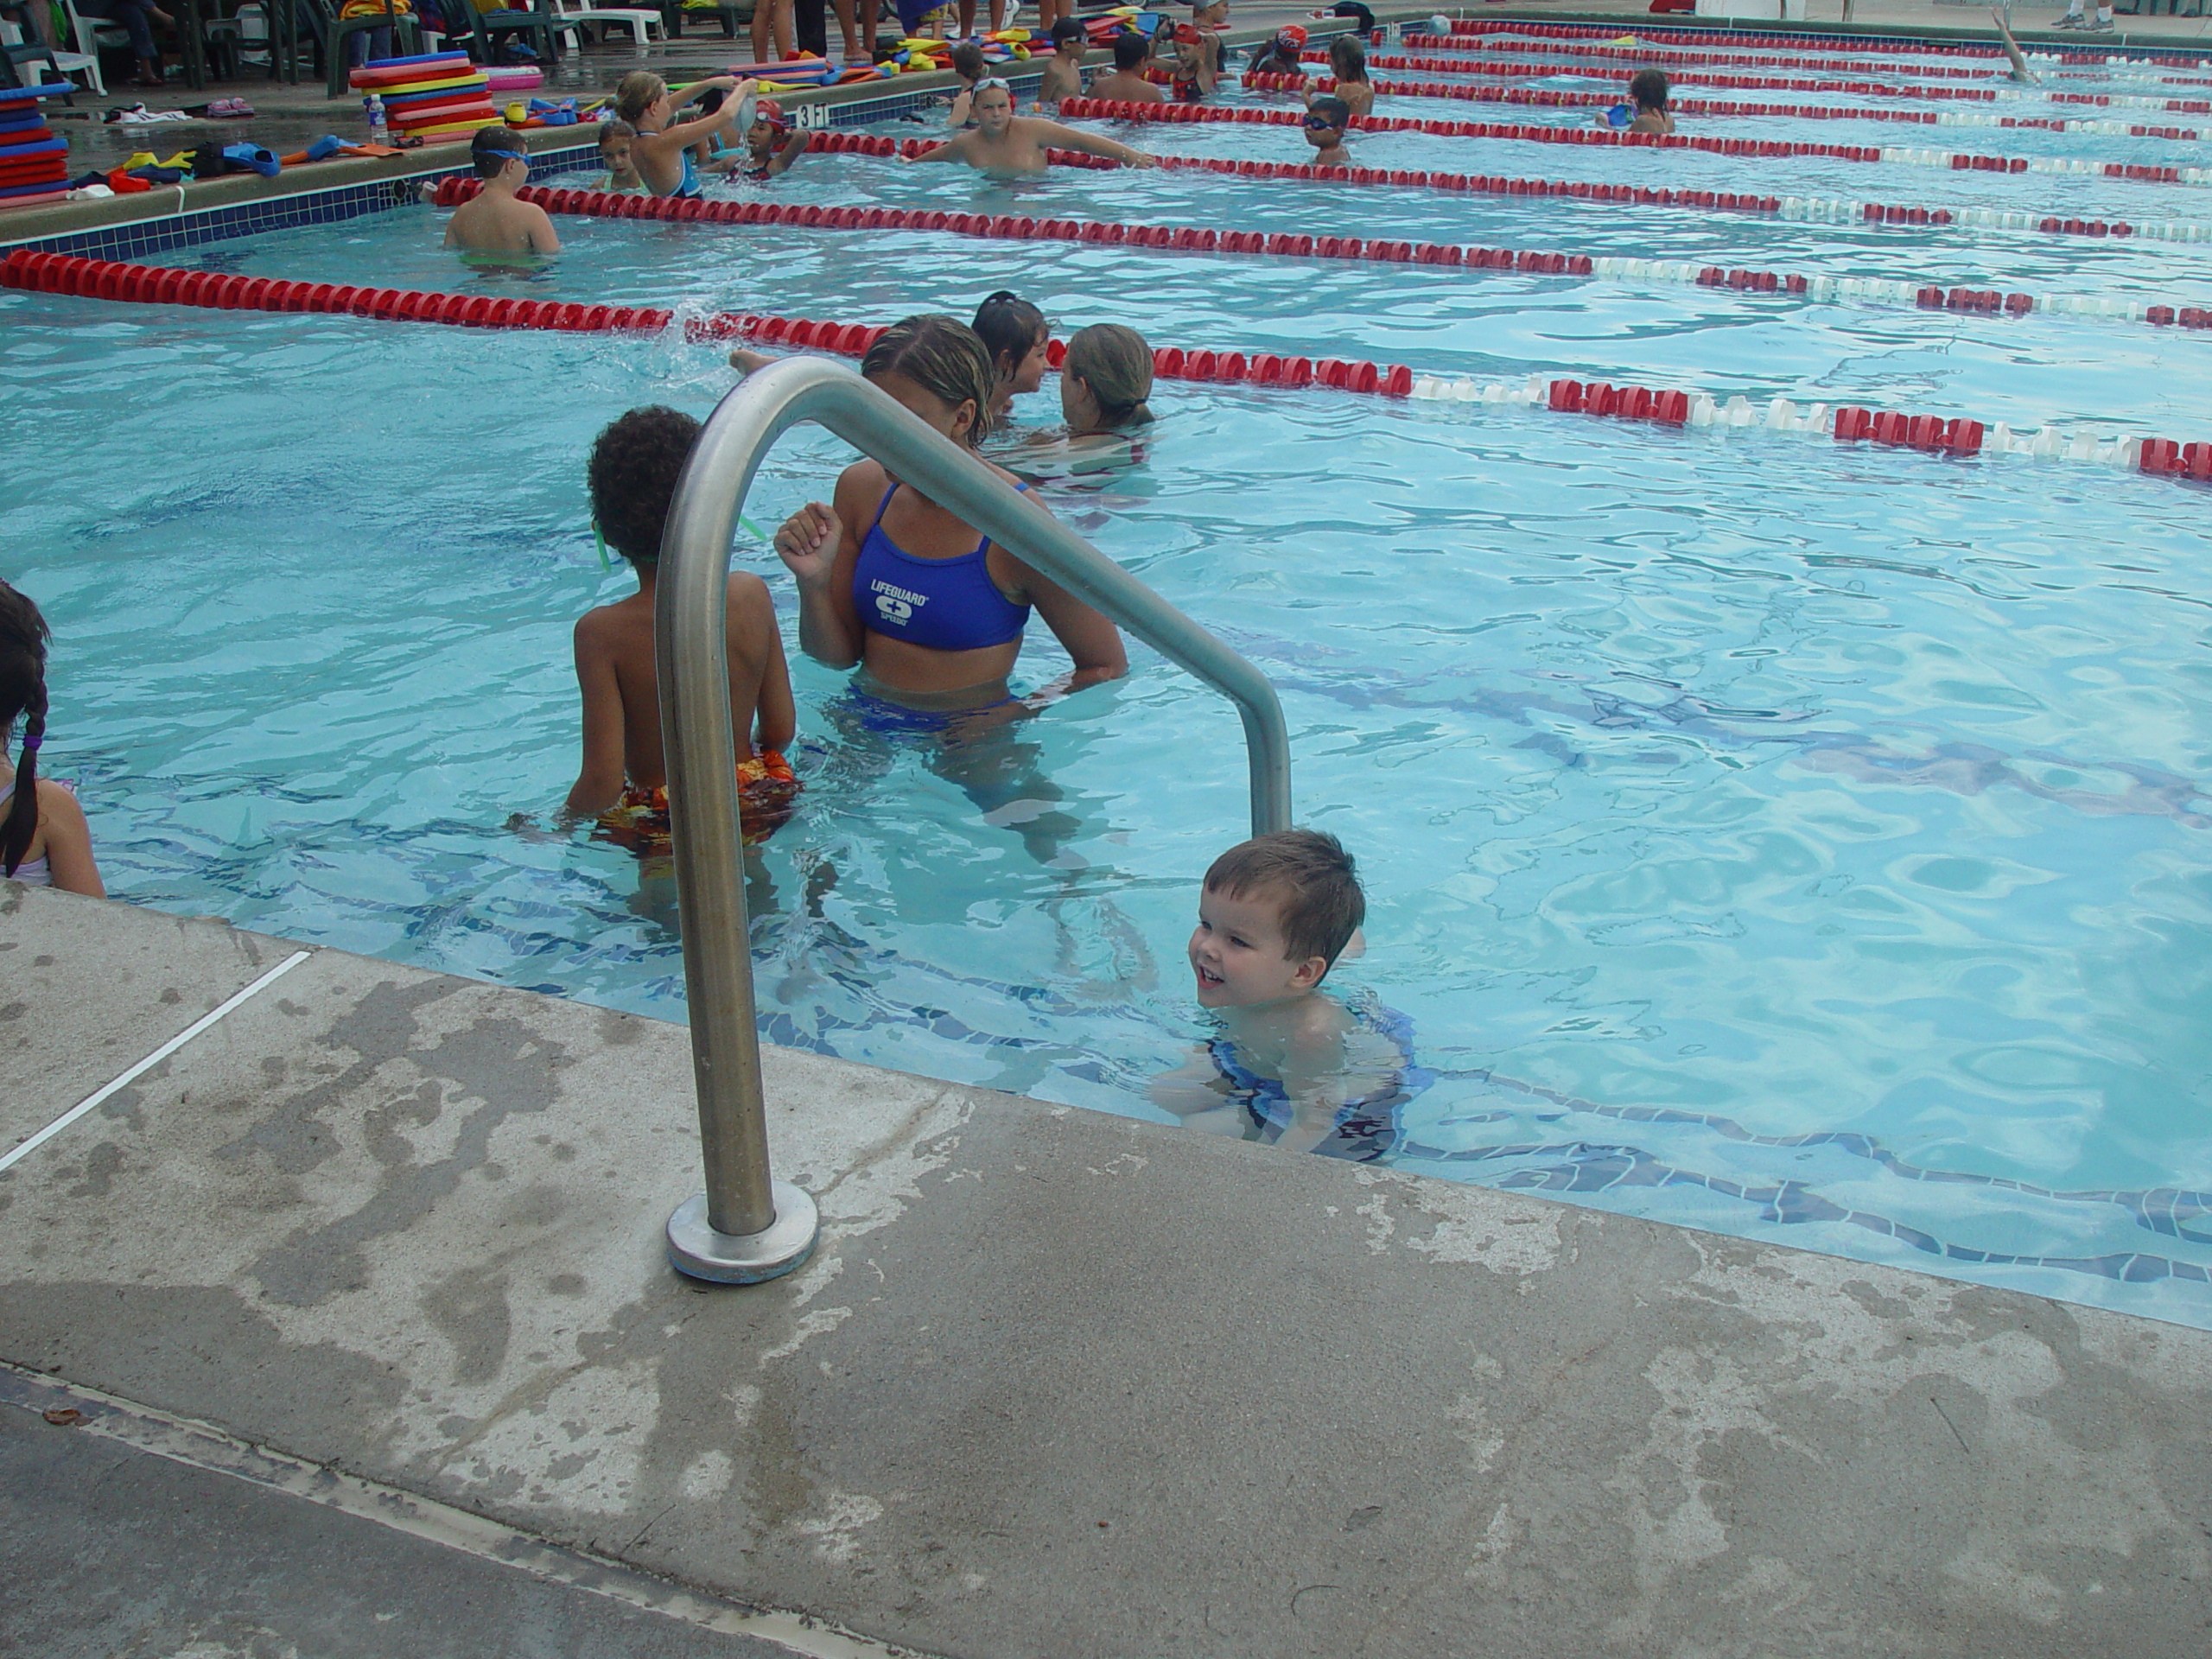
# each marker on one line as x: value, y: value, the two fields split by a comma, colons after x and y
x: 932, y: 612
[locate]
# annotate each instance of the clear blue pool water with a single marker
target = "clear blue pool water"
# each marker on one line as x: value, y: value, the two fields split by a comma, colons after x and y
x: 1798, y: 840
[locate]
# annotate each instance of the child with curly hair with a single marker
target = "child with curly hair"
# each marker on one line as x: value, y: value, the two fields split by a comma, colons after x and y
x: 44, y: 841
x: 623, y: 780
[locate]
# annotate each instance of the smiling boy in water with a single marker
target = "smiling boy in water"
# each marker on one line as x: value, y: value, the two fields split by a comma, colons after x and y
x: 1001, y: 142
x: 1292, y: 1066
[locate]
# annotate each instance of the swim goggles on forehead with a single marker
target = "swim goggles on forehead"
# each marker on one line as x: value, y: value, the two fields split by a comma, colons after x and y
x: 989, y: 81
x: 510, y: 155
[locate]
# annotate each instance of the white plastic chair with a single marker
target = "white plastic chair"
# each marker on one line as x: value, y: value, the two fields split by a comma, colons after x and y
x: 639, y: 21
x: 87, y: 32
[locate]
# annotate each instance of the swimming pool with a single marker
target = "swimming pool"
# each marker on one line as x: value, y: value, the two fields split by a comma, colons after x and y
x: 1794, y: 839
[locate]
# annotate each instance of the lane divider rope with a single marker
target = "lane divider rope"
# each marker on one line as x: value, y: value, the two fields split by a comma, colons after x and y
x: 114, y: 280
x: 1606, y: 137
x: 1929, y: 434
x: 1551, y: 99
x: 1467, y: 27
x: 1855, y: 88
x: 1744, y: 83
x: 1185, y: 238
x: 1827, y: 210
x: 1605, y: 52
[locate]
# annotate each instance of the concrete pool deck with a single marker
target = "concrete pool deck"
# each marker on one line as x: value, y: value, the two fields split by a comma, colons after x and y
x: 1055, y: 1383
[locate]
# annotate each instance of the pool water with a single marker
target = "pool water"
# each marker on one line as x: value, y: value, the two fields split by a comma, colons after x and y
x: 1801, y: 841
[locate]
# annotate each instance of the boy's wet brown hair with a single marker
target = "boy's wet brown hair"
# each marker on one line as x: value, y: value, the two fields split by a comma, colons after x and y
x: 1348, y: 58
x: 1313, y: 881
x: 1649, y: 88
x: 492, y: 148
x: 1130, y: 50
x: 635, y: 463
x: 967, y: 61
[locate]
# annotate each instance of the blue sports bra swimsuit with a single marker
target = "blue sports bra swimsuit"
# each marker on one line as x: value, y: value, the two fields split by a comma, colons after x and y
x: 943, y: 604
x: 688, y: 186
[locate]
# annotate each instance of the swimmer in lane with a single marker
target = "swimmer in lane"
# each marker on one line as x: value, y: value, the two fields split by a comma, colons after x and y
x: 2021, y: 72
x: 1648, y: 89
x: 1326, y: 118
x: 771, y: 144
x: 1002, y: 142
x: 1063, y: 69
x: 493, y: 222
x: 1125, y: 83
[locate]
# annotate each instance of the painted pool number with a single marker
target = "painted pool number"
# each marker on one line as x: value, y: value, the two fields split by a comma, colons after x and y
x: 811, y: 115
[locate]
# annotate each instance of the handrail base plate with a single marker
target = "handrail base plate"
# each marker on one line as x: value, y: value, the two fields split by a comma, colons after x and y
x: 696, y: 1250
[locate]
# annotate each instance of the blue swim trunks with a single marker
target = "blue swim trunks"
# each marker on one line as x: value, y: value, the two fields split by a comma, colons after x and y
x: 1365, y: 1129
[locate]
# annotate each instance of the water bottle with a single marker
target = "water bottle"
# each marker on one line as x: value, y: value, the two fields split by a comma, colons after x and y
x: 372, y: 107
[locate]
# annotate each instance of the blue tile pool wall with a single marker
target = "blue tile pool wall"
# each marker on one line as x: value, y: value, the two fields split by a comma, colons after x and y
x: 144, y: 237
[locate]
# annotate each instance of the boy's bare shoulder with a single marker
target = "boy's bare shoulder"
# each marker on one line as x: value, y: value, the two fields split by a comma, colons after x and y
x: 603, y: 624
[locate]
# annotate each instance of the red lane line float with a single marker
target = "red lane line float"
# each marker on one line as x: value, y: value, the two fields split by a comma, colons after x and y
x: 1107, y: 109
x: 111, y: 279
x: 1190, y: 239
x: 1749, y: 83
x: 1547, y: 98
x: 1666, y: 58
x: 1766, y: 38
x: 115, y: 279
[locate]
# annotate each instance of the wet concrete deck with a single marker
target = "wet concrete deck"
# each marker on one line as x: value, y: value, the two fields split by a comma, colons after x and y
x: 1055, y: 1383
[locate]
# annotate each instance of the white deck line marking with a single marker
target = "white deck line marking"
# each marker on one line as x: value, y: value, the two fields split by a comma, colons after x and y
x: 15, y: 1154
x: 202, y: 1446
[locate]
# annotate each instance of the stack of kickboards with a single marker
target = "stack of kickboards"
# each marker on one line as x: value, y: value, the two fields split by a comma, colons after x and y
x: 441, y: 96
x: 33, y: 159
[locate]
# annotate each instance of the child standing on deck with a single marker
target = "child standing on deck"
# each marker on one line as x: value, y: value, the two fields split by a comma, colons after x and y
x: 493, y: 221
x: 44, y: 841
x: 1292, y: 1066
x: 624, y: 778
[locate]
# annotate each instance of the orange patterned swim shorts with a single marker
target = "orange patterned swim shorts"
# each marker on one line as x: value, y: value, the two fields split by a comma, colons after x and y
x: 767, y: 795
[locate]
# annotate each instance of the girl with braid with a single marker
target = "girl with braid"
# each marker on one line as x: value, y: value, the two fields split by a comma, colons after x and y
x: 44, y: 841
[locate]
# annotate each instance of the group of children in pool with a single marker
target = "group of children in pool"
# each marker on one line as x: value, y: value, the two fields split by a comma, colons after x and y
x: 647, y: 150
x: 931, y: 615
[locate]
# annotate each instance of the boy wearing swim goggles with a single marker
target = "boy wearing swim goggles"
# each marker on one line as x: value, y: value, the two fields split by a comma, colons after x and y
x: 493, y: 221
x: 1327, y: 118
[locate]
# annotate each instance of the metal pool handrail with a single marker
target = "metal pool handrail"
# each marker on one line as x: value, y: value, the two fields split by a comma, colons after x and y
x: 747, y: 1226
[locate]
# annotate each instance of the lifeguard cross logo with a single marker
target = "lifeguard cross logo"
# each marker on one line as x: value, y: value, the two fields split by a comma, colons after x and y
x: 896, y: 604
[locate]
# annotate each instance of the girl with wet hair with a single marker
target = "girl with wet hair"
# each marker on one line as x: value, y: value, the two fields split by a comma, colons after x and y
x: 1015, y: 334
x: 889, y: 582
x: 1105, y: 380
x: 1348, y: 62
x: 44, y: 841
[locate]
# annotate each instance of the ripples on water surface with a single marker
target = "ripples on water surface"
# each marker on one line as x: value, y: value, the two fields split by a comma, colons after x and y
x: 1801, y: 841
